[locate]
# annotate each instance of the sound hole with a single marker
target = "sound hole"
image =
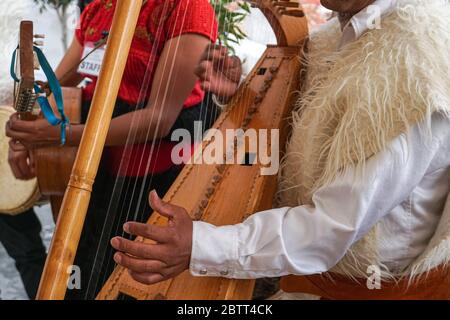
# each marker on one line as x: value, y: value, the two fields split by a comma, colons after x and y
x: 262, y: 71
x: 125, y: 297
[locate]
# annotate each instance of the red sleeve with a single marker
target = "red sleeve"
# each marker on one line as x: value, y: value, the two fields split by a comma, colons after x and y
x: 192, y: 16
x: 85, y: 20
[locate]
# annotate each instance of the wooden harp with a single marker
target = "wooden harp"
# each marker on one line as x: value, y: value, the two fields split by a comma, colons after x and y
x: 227, y: 194
x: 208, y: 192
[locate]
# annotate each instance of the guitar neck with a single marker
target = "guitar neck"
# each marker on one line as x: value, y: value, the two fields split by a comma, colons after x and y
x: 25, y: 98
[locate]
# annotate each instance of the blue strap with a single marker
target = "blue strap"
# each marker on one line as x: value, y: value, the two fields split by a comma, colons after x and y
x: 55, y: 87
x: 13, y: 65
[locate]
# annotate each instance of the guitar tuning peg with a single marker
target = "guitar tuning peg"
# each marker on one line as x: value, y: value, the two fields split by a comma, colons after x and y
x: 39, y: 43
x: 39, y: 36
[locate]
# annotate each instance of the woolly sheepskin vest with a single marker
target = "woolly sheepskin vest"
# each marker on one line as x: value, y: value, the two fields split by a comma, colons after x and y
x: 358, y: 99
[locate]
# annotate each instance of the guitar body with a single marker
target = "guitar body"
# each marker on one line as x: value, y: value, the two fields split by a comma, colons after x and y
x: 54, y: 164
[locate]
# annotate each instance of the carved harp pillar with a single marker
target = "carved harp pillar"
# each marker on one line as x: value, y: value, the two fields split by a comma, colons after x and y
x: 227, y: 194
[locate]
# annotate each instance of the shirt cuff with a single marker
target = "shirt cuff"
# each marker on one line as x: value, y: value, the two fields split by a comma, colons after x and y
x: 214, y: 250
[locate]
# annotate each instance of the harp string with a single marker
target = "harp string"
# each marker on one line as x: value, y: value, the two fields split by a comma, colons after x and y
x: 206, y: 102
x: 219, y: 70
x: 119, y: 188
x: 131, y: 186
x: 203, y: 105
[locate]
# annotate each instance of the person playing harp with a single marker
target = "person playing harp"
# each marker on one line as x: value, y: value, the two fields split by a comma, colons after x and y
x: 364, y: 190
x: 158, y: 94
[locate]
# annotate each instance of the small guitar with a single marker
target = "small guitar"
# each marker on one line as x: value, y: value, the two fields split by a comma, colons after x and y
x: 25, y: 96
x: 53, y: 164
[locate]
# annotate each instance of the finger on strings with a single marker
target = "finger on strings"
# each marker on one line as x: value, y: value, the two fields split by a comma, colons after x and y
x: 139, y: 265
x: 138, y: 249
x: 147, y: 231
x: 214, y: 86
x: 233, y: 62
x: 214, y: 52
x: 202, y: 68
x: 227, y: 62
x: 207, y: 86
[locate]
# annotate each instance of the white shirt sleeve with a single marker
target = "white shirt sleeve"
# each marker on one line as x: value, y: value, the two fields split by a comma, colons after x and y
x: 312, y: 239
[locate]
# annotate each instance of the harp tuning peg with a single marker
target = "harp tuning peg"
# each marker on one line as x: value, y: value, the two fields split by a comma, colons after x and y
x: 39, y: 36
x: 39, y: 43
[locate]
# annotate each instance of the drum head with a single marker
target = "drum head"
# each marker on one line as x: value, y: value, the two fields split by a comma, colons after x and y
x: 15, y: 196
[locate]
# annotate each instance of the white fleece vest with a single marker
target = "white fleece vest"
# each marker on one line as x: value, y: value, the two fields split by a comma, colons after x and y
x: 358, y: 99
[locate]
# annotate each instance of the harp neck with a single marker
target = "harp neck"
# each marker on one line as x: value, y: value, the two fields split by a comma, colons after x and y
x: 285, y: 19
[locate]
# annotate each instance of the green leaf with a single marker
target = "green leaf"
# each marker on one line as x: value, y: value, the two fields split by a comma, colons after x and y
x: 229, y: 30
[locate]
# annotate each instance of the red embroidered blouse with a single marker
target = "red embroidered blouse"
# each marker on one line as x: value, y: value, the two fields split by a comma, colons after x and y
x: 159, y: 21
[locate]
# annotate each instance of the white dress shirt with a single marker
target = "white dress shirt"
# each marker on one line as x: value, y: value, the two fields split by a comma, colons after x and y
x: 368, y: 18
x: 405, y: 188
